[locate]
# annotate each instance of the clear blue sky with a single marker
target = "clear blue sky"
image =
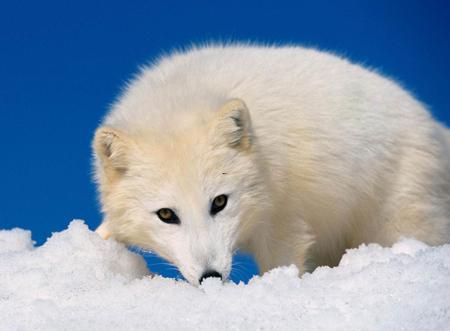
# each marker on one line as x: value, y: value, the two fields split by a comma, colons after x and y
x: 62, y: 64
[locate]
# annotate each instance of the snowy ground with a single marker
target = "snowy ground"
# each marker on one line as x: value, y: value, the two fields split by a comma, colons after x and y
x: 76, y: 281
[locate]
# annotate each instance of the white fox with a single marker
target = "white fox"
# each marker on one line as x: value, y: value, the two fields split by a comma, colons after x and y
x: 291, y: 154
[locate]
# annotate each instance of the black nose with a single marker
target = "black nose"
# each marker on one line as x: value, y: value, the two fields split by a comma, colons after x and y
x: 210, y: 273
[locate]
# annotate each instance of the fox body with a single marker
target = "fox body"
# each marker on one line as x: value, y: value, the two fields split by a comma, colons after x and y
x: 306, y: 153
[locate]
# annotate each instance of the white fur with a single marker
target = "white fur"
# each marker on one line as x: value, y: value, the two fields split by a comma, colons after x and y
x: 325, y: 155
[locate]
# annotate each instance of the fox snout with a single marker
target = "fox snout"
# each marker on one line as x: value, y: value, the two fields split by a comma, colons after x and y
x: 210, y: 274
x: 211, y: 265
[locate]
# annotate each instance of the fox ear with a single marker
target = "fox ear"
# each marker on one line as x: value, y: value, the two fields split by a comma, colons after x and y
x: 112, y: 148
x: 234, y: 122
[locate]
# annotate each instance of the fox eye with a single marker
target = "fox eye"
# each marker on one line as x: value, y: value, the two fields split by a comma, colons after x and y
x: 168, y: 216
x: 218, y: 204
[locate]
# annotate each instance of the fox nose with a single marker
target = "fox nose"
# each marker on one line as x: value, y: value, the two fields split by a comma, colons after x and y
x: 210, y: 273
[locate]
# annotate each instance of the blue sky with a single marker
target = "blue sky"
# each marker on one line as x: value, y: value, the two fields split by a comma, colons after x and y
x: 62, y: 64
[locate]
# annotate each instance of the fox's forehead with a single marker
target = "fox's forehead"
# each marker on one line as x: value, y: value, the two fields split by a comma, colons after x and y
x: 184, y: 164
x: 181, y: 152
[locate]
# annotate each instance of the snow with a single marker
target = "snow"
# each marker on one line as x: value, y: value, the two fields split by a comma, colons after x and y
x: 76, y: 281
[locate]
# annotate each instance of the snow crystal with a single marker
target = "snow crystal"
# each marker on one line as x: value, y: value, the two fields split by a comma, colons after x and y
x: 15, y: 240
x: 76, y: 281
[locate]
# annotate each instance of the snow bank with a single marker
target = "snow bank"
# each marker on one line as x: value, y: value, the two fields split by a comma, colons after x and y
x: 76, y: 281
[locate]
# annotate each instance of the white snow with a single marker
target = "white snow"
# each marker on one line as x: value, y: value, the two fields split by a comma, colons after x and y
x: 76, y: 281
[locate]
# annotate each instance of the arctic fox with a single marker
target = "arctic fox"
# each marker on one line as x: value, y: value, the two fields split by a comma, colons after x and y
x: 288, y: 153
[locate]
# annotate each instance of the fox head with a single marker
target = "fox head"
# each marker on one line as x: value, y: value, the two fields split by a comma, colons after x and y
x: 192, y: 196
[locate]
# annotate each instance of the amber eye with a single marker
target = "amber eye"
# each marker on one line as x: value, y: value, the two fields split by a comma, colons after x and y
x: 218, y: 204
x: 168, y: 216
